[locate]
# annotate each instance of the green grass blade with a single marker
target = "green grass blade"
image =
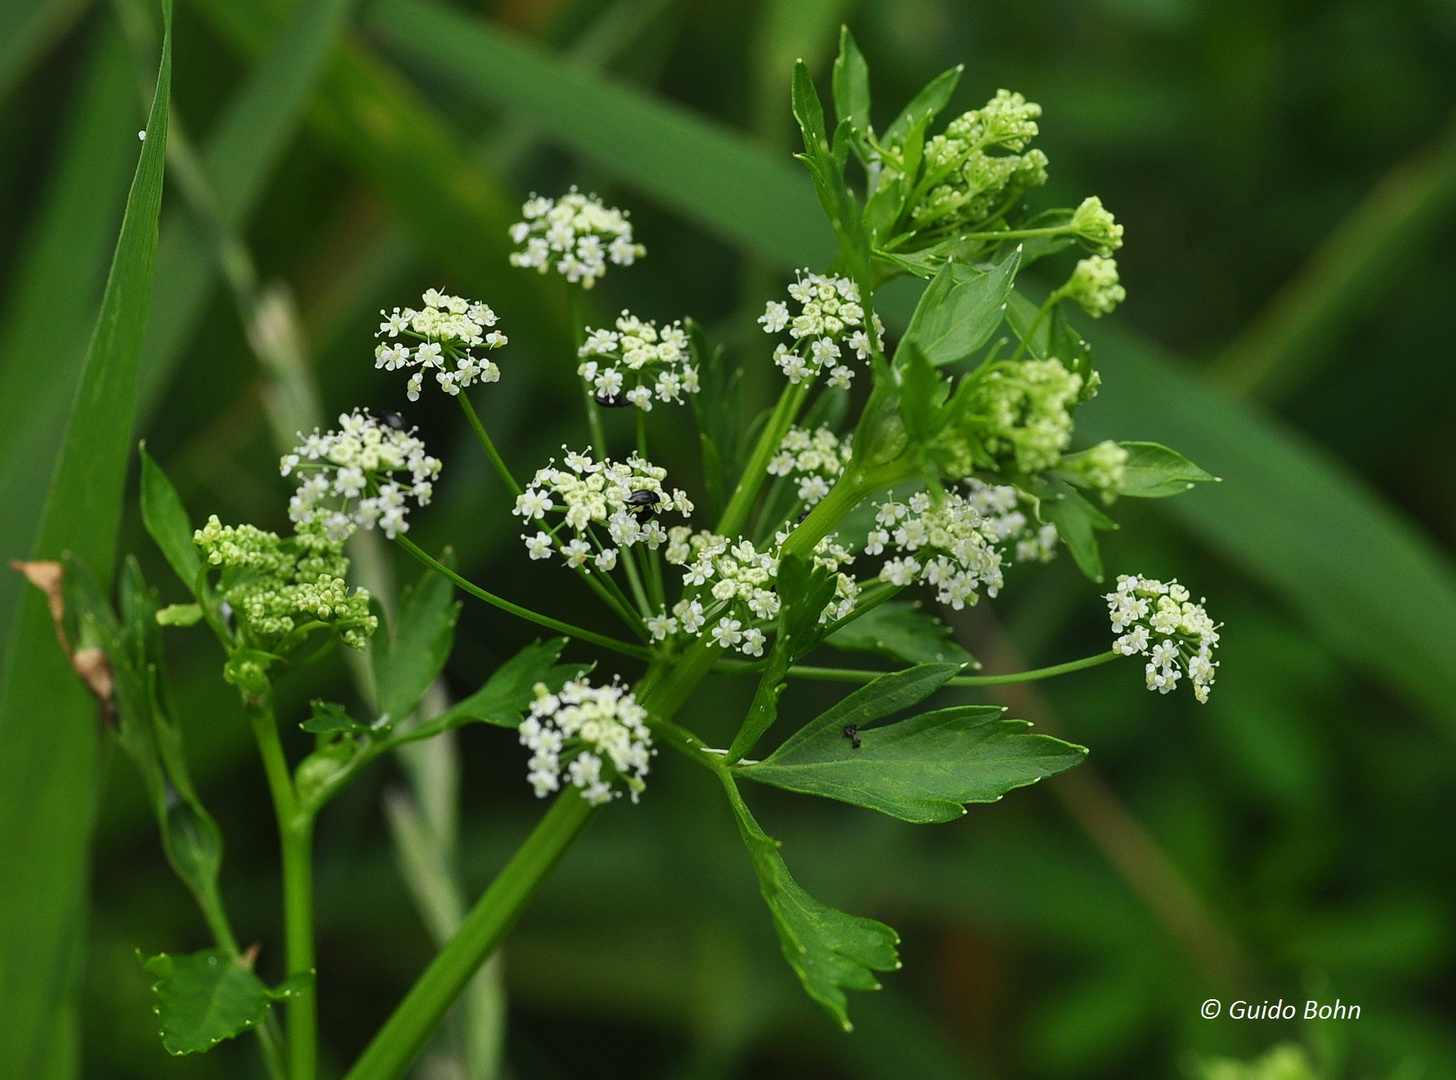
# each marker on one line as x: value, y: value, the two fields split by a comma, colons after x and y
x: 56, y: 290
x: 1292, y: 518
x: 27, y: 29
x: 238, y: 157
x: 712, y: 176
x: 48, y: 744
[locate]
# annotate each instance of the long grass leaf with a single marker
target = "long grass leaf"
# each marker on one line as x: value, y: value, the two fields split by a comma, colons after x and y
x: 27, y: 29
x: 48, y: 744
x: 712, y: 176
x: 56, y: 290
x: 1291, y: 517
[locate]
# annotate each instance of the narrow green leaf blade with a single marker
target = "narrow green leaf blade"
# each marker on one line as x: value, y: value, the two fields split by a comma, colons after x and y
x: 873, y: 701
x: 47, y: 768
x: 204, y: 998
x: 851, y: 83
x: 900, y: 630
x: 831, y: 951
x: 922, y: 769
x: 167, y: 522
x: 412, y: 657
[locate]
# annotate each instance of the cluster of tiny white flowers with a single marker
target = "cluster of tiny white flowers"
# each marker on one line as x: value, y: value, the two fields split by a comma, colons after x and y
x: 831, y: 319
x: 364, y: 473
x: 1161, y: 622
x: 637, y: 361
x: 575, y: 235
x: 1094, y: 284
x: 613, y: 494
x: 1096, y: 227
x: 816, y: 458
x: 447, y: 327
x: 1000, y: 506
x: 947, y: 544
x: 587, y: 728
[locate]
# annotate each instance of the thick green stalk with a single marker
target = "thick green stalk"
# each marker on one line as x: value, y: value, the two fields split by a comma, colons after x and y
x: 735, y: 516
x: 295, y: 837
x: 490, y: 450
x: 624, y: 647
x: 843, y: 497
x: 392, y: 1051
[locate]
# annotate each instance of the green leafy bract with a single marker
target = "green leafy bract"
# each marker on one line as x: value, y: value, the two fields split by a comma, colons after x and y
x: 508, y: 693
x: 831, y: 951
x: 1155, y: 472
x: 805, y: 590
x: 1078, y: 523
x: 899, y: 629
x: 206, y: 997
x: 921, y: 769
x: 960, y: 309
x: 409, y: 660
x: 166, y: 520
x: 331, y: 719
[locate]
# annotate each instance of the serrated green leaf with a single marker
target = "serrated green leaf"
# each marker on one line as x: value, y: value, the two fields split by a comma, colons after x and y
x: 1155, y: 472
x: 331, y: 719
x: 1078, y: 523
x: 899, y: 629
x: 167, y: 522
x: 960, y: 309
x: 805, y: 590
x: 851, y: 83
x: 204, y: 998
x: 873, y: 701
x: 831, y: 951
x: 412, y: 657
x: 922, y: 769
x: 508, y: 692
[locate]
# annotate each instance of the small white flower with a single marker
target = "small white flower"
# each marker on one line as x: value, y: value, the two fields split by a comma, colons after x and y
x: 538, y: 546
x: 728, y: 632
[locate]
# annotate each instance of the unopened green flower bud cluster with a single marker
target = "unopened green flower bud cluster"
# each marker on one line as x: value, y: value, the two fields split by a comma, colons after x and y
x: 274, y: 586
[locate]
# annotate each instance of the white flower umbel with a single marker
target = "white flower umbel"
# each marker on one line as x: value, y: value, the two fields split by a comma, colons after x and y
x: 828, y: 330
x: 814, y: 459
x: 592, y: 734
x: 574, y: 235
x: 447, y: 329
x: 619, y: 498
x: 1001, y: 507
x: 365, y: 473
x: 1161, y: 622
x: 637, y: 362
x: 947, y: 544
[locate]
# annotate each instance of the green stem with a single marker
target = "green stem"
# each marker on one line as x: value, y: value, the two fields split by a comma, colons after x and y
x: 641, y: 434
x: 829, y: 674
x: 490, y: 450
x: 1041, y: 314
x: 392, y: 1051
x: 295, y: 836
x: 736, y: 515
x: 634, y: 580
x: 578, y: 335
x: 594, y: 423
x: 843, y: 497
x: 626, y: 648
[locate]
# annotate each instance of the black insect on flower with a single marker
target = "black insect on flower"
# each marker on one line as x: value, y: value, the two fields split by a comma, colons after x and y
x: 392, y: 420
x: 643, y: 504
x: 851, y: 732
x: 608, y: 401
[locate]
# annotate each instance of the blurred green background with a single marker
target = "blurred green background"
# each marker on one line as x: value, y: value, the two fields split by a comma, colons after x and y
x: 1286, y: 171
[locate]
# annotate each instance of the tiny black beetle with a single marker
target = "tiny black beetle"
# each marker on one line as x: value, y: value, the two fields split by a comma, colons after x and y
x: 643, y: 504
x: 392, y: 420
x: 606, y: 401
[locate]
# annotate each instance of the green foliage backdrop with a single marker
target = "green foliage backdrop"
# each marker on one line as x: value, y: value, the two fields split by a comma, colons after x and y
x: 1287, y: 176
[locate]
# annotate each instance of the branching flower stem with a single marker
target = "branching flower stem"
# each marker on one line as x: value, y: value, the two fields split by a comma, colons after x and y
x: 735, y: 515
x: 623, y: 647
x: 295, y: 836
x: 490, y: 450
x: 829, y: 674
